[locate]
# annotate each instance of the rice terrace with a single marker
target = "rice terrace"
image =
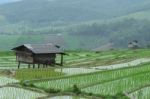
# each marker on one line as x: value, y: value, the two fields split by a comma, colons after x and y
x: 74, y: 49
x: 114, y: 74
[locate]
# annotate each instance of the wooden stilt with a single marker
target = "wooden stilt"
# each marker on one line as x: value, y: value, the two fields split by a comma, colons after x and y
x: 38, y: 65
x: 16, y: 57
x: 18, y: 65
x: 61, y: 60
x: 28, y: 65
x: 33, y: 65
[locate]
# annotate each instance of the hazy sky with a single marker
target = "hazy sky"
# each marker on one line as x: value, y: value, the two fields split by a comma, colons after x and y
x: 7, y: 1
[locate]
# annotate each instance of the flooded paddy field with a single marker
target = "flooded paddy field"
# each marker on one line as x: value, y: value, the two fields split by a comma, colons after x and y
x: 83, y: 73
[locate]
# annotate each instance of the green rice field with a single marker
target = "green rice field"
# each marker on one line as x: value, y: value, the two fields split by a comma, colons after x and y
x: 102, y: 75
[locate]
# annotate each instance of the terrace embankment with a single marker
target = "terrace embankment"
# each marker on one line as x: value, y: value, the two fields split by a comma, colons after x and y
x: 118, y: 70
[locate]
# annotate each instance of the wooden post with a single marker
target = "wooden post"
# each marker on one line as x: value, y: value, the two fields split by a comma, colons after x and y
x: 38, y: 65
x: 61, y: 60
x: 28, y: 65
x: 33, y: 65
x: 18, y: 65
x: 16, y: 57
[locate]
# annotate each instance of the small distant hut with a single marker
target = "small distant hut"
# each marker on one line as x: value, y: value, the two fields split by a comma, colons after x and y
x: 32, y: 54
x: 133, y: 45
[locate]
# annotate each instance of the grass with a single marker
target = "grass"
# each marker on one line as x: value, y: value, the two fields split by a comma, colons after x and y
x: 5, y: 81
x: 120, y: 85
x: 86, y: 59
x: 143, y: 93
x: 85, y: 80
x: 17, y: 93
x: 29, y: 74
x: 104, y: 83
x: 6, y: 53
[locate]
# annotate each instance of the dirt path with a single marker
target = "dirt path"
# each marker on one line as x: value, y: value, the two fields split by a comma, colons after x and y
x: 122, y: 65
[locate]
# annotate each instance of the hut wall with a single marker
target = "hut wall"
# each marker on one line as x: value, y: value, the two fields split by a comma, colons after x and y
x: 44, y: 58
x: 24, y: 58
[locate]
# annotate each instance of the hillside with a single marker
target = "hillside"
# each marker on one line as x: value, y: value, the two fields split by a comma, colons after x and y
x: 145, y: 15
x: 46, y: 12
x: 83, y: 24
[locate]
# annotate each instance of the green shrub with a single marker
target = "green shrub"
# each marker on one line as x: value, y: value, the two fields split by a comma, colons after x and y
x: 22, y: 83
x: 76, y: 89
x: 52, y: 90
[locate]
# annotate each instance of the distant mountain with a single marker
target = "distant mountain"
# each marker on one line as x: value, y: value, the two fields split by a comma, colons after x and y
x: 46, y: 12
x: 84, y: 24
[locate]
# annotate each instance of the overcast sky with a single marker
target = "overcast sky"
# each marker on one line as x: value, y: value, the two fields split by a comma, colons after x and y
x: 7, y: 1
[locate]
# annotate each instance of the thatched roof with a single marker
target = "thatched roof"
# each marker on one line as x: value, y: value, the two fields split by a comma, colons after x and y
x: 40, y: 48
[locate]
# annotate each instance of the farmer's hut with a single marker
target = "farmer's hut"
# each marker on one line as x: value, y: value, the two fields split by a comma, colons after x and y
x: 32, y: 54
x: 133, y: 44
